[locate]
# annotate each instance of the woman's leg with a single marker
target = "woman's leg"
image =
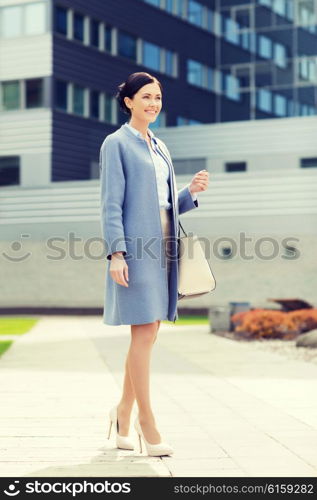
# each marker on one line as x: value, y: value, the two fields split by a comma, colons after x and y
x: 142, y: 340
x: 128, y: 395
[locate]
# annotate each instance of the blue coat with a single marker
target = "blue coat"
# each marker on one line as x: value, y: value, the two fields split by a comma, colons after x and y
x: 130, y: 222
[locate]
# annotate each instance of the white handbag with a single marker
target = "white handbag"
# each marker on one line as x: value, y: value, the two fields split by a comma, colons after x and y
x: 195, y: 275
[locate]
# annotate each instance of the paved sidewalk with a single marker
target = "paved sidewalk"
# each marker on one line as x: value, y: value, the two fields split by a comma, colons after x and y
x: 227, y: 408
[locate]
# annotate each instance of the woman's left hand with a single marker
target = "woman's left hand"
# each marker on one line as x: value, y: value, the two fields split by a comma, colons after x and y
x: 199, y: 182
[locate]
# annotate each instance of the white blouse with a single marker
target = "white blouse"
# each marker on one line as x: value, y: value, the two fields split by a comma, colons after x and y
x: 161, y: 170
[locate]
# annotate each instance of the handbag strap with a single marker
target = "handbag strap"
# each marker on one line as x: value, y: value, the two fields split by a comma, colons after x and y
x: 182, y: 228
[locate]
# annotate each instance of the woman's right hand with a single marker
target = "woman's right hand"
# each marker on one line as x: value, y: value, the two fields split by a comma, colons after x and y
x: 119, y: 269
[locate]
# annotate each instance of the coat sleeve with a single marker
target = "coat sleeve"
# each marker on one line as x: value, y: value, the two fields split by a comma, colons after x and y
x: 186, y: 201
x: 112, y: 192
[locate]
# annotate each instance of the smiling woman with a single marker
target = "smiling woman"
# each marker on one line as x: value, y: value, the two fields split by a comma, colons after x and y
x: 138, y: 101
x: 140, y: 205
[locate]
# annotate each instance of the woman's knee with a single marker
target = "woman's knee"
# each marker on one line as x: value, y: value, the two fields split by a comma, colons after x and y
x: 145, y: 334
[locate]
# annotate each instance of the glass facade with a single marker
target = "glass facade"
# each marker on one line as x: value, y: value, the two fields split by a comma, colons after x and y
x: 263, y: 52
x: 271, y: 47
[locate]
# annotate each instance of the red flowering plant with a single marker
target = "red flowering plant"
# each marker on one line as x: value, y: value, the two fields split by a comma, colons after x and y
x: 267, y: 323
x: 304, y: 319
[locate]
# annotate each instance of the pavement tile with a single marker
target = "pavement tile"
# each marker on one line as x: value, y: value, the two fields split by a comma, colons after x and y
x: 228, y: 409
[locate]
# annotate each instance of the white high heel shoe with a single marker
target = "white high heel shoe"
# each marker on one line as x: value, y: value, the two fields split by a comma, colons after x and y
x: 153, y: 450
x: 122, y: 442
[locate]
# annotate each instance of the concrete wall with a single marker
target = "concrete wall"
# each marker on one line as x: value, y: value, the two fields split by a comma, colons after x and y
x: 268, y: 146
x: 256, y: 217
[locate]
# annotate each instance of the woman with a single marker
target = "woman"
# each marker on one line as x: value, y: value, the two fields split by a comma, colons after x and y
x: 140, y: 206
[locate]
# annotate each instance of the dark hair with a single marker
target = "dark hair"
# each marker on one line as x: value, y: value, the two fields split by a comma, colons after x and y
x: 131, y: 86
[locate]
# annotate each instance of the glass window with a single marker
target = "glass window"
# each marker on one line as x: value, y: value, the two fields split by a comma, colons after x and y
x: 34, y: 93
x: 312, y: 70
x: 94, y: 33
x: 11, y: 22
x: 245, y: 39
x: 232, y: 87
x: 169, y: 62
x: 127, y: 45
x: 231, y: 30
x: 108, y: 108
x: 218, y: 19
x: 151, y: 56
x: 61, y: 20
x: 35, y: 22
x: 308, y: 162
x: 181, y: 121
x: 78, y: 99
x: 61, y: 95
x: 194, y: 72
x: 195, y: 13
x: 156, y: 3
x: 264, y: 100
x: 303, y: 69
x: 9, y: 170
x: 306, y: 13
x: 79, y: 27
x: 243, y: 15
x: 267, y: 3
x: 290, y: 9
x: 210, y: 21
x: 265, y: 46
x: 94, y: 104
x: 291, y: 108
x: 308, y: 69
x: 210, y: 81
x: 253, y: 39
x: 193, y: 122
x: 304, y: 109
x: 279, y: 6
x: 10, y: 95
x: 180, y: 8
x: 280, y: 55
x: 169, y: 6
x: 236, y: 166
x: 108, y: 38
x: 280, y: 105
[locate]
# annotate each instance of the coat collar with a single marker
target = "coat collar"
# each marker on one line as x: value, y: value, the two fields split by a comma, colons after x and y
x: 132, y: 132
x: 135, y: 133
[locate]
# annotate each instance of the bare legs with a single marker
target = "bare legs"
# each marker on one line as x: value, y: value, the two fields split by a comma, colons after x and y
x: 137, y: 381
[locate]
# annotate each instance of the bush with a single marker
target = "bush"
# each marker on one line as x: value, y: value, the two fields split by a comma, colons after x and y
x: 259, y: 323
x: 304, y: 319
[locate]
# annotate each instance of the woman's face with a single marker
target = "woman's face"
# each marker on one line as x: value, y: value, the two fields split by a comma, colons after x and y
x: 146, y: 103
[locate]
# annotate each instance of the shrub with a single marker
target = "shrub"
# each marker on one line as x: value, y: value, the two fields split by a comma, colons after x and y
x: 304, y: 319
x: 263, y: 323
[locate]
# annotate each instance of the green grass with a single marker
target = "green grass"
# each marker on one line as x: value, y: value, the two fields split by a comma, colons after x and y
x: 16, y: 326
x: 4, y: 345
x: 190, y: 320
